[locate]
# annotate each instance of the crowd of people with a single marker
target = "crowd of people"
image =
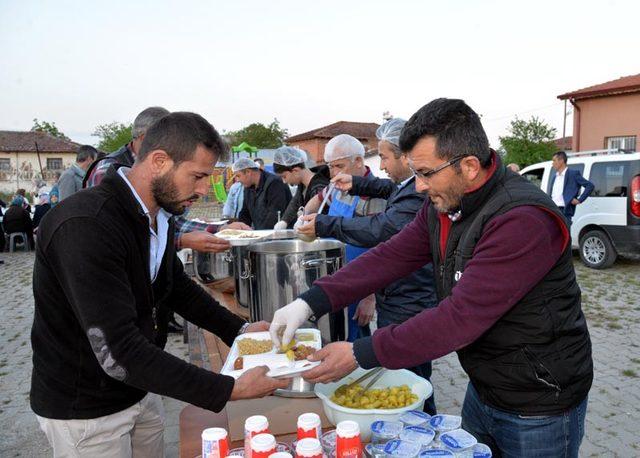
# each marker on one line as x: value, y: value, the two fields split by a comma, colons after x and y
x: 454, y: 252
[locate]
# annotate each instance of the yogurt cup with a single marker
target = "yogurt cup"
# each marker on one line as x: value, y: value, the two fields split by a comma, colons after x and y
x: 418, y: 434
x: 460, y: 442
x: 375, y: 450
x: 401, y: 449
x: 443, y: 423
x: 328, y: 441
x: 384, y: 431
x: 481, y: 450
x: 236, y: 452
x: 437, y: 452
x: 415, y: 418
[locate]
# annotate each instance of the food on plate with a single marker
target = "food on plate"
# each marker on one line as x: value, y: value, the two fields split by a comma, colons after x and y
x: 249, y: 346
x: 238, y: 363
x: 376, y: 398
x: 305, y: 337
x: 236, y: 233
x: 301, y: 352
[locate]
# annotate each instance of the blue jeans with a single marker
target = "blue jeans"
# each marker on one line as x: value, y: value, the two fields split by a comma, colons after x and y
x: 512, y: 435
x: 423, y: 370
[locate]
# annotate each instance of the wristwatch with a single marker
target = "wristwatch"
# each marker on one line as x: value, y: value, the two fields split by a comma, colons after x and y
x: 243, y: 328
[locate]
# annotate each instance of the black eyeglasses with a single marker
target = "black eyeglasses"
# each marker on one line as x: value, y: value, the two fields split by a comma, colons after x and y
x: 426, y: 175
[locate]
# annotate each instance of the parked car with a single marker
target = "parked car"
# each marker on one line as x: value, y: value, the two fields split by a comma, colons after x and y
x: 608, y: 222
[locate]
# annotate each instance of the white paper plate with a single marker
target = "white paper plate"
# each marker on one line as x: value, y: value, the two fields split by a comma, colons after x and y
x: 279, y: 365
x: 236, y: 240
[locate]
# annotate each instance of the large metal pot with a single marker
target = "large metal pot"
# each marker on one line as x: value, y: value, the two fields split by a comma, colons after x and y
x: 210, y: 267
x: 279, y: 271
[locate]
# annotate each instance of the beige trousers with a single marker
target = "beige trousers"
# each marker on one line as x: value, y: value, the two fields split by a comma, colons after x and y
x: 137, y: 432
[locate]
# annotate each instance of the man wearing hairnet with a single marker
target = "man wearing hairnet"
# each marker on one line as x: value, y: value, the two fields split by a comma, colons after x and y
x: 289, y: 163
x: 265, y: 194
x: 410, y: 295
x: 345, y: 154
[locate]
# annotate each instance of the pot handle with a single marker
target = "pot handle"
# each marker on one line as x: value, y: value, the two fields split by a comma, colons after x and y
x: 228, y: 257
x: 246, y: 271
x: 311, y: 263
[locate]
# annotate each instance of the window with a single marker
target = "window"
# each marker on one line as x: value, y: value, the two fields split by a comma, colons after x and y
x: 627, y: 143
x: 534, y: 176
x: 610, y: 179
x: 5, y: 164
x: 54, y: 163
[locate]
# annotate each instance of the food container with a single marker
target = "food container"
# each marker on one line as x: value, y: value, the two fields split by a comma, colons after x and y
x: 384, y: 431
x: 309, y: 448
x: 263, y: 445
x: 328, y: 441
x: 279, y: 364
x: 481, y: 451
x: 309, y: 425
x: 415, y: 418
x: 254, y: 425
x: 348, y: 441
x: 365, y: 417
x: 460, y: 442
x: 210, y: 267
x: 442, y: 423
x: 401, y: 449
x: 215, y: 443
x: 375, y: 450
x: 419, y: 435
x: 437, y: 452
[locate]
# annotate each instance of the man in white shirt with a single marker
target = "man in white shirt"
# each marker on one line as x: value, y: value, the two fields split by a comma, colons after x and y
x: 566, y: 185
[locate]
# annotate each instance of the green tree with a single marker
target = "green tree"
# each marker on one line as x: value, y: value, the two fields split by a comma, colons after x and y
x: 529, y: 142
x: 259, y: 135
x: 112, y: 136
x: 48, y: 127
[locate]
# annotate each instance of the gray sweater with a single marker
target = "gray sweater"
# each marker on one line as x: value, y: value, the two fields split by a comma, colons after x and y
x: 70, y: 181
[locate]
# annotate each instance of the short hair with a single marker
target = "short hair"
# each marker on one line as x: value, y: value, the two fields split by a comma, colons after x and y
x: 562, y: 155
x: 278, y: 168
x: 179, y: 134
x: 397, y: 152
x: 86, y: 152
x: 259, y: 161
x: 145, y: 118
x: 456, y: 127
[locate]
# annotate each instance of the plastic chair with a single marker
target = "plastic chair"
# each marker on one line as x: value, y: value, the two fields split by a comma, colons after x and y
x: 13, y: 242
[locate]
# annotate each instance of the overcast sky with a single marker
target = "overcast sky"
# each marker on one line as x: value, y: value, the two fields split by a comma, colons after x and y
x: 85, y: 63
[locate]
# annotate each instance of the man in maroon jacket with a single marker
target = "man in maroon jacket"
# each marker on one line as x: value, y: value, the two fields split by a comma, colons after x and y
x: 509, y: 301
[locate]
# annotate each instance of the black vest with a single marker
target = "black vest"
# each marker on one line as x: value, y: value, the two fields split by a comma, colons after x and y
x: 536, y: 359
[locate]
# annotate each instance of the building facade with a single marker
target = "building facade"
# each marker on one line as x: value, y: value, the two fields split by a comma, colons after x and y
x: 28, y: 159
x: 606, y: 115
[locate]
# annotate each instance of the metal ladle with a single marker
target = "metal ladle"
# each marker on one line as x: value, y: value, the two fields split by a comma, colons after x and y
x: 322, y: 205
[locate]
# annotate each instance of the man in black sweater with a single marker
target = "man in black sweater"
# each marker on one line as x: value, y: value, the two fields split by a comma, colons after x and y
x: 106, y: 279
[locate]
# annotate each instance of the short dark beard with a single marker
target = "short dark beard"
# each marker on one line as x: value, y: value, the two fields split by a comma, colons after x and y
x: 166, y: 194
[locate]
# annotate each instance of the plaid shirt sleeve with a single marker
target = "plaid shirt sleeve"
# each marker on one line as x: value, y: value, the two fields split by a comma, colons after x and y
x: 184, y: 225
x: 99, y: 172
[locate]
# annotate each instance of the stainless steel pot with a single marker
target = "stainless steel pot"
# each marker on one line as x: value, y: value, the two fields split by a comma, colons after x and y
x: 210, y: 267
x: 279, y: 271
x: 240, y: 261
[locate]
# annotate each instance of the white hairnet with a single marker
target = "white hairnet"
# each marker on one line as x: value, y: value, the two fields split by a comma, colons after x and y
x: 343, y: 146
x: 390, y: 131
x: 244, y: 163
x: 288, y: 156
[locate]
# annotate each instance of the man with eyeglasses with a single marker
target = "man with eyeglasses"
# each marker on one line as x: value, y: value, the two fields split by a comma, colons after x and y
x: 509, y: 301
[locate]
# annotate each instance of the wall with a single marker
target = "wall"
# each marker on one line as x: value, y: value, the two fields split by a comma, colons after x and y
x: 25, y: 169
x: 612, y: 116
x: 315, y: 147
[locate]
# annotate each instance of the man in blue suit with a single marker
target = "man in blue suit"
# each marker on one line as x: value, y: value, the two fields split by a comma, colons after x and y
x: 565, y: 192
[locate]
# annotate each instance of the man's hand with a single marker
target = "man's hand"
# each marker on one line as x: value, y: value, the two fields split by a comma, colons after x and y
x: 258, y: 326
x: 308, y: 227
x: 204, y: 241
x: 337, y: 362
x: 238, y: 225
x: 343, y: 182
x: 290, y: 317
x: 575, y: 201
x: 280, y: 225
x: 255, y: 384
x: 365, y: 309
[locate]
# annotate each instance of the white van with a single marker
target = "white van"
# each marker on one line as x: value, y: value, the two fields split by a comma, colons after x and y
x: 608, y: 222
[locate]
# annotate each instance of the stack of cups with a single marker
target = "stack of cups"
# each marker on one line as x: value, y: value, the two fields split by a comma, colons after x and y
x: 257, y: 424
x: 309, y: 448
x: 263, y: 445
x: 348, y: 443
x: 215, y: 443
